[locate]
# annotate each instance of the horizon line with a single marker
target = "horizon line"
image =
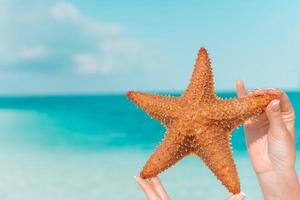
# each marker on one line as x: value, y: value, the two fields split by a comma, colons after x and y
x: 112, y: 93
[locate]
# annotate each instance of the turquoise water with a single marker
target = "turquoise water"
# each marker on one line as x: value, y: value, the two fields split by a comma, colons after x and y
x: 90, y: 147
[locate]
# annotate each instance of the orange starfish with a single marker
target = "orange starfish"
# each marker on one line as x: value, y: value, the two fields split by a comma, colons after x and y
x: 199, y: 123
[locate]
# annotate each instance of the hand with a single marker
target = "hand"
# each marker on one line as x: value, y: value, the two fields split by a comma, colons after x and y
x: 271, y: 146
x: 153, y: 188
x: 155, y: 191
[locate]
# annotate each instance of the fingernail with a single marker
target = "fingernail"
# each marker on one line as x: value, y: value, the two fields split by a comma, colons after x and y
x: 275, y: 105
x: 241, y: 196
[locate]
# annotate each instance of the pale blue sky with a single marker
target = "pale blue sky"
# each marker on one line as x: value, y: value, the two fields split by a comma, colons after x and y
x: 56, y: 47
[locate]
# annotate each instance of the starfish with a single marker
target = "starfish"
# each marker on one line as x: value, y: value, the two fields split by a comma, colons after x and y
x: 199, y: 123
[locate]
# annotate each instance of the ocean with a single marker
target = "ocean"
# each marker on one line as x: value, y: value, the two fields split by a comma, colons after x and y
x: 90, y: 147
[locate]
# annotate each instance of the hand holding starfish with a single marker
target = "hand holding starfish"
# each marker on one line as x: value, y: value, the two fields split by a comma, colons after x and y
x: 199, y: 123
x: 271, y: 146
x: 154, y: 190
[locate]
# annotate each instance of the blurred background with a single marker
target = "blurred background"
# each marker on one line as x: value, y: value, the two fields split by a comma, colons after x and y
x: 67, y: 130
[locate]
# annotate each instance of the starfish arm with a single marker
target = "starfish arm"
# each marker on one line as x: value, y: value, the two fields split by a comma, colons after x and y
x: 201, y: 87
x: 162, y: 108
x: 170, y: 151
x: 216, y: 154
x: 239, y: 109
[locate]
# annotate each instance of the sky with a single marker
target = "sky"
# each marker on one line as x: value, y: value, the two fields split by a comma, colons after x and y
x: 78, y: 47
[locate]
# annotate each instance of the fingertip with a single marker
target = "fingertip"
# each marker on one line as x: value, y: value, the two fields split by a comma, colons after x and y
x: 240, y: 88
x: 143, y: 184
x: 284, y: 98
x: 240, y: 196
x: 278, y: 90
x: 136, y: 179
x: 286, y: 105
x: 146, y: 187
x: 239, y: 82
x: 274, y: 105
x: 243, y: 194
x: 258, y: 92
x: 139, y: 180
x: 273, y: 112
x: 251, y: 93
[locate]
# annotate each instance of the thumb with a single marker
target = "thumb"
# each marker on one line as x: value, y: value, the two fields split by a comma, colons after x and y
x: 273, y: 112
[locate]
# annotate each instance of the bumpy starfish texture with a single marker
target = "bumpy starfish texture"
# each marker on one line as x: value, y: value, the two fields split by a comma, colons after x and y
x: 199, y: 123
